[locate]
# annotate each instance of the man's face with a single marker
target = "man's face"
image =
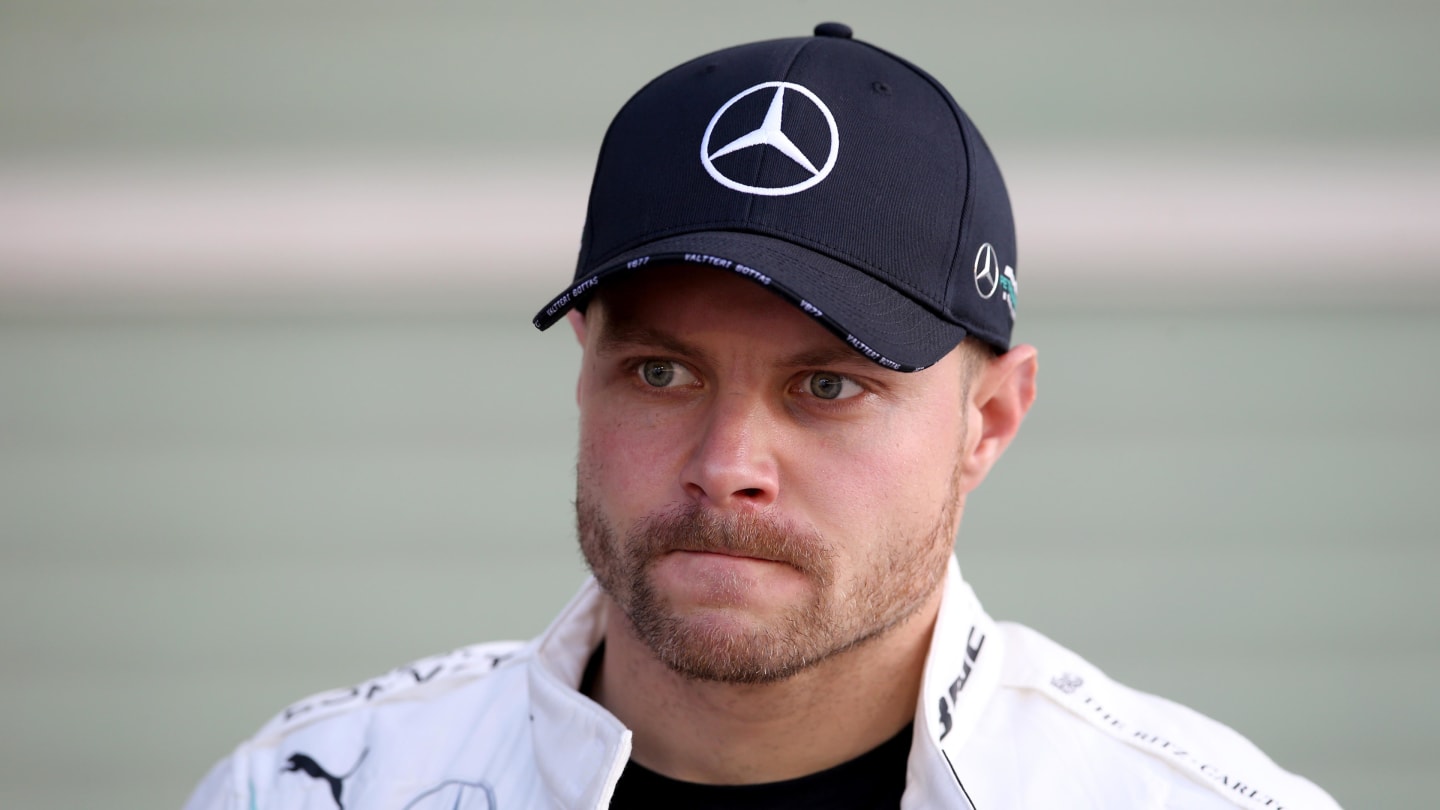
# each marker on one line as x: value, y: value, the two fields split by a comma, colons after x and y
x: 753, y: 494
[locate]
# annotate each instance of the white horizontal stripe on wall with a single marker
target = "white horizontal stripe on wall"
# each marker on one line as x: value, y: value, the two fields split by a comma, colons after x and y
x: 1161, y: 215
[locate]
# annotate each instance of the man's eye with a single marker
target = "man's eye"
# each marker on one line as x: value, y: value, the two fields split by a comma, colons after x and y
x: 664, y: 373
x: 829, y: 385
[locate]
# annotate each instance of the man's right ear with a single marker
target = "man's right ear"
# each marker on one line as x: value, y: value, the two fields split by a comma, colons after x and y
x: 577, y: 322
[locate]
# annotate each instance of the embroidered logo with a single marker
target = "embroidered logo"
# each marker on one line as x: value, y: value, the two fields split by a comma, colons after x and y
x: 947, y: 700
x: 306, y: 764
x: 771, y: 134
x: 1067, y: 682
x: 987, y: 271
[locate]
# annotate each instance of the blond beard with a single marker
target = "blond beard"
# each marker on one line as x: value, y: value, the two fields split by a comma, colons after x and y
x: 838, y: 617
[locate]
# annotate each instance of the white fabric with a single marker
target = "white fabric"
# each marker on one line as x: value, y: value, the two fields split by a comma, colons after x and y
x: 1007, y: 720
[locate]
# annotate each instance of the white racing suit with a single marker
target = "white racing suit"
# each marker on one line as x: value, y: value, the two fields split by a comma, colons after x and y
x: 1007, y: 719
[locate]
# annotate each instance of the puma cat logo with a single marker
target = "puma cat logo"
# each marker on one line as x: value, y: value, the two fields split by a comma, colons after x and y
x: 306, y: 764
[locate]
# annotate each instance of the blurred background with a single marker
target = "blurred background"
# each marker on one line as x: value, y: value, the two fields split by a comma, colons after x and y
x: 273, y: 418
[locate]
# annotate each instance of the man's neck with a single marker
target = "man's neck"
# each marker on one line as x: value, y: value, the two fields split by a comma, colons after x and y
x: 718, y: 733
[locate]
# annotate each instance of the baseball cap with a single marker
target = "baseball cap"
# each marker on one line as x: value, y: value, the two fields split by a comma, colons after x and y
x: 838, y: 175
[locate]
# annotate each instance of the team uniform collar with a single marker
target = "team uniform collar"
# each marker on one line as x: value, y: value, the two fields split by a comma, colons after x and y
x: 580, y: 748
x: 962, y: 671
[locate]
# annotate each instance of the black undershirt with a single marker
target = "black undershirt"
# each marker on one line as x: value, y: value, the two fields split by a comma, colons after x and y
x: 873, y: 780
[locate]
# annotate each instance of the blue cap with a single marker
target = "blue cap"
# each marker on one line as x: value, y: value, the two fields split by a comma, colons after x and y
x: 842, y: 177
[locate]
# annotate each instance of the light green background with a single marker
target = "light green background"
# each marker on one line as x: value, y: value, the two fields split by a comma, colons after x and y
x: 211, y: 508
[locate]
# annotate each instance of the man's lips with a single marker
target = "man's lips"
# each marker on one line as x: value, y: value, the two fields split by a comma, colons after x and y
x: 743, y: 555
x: 756, y: 537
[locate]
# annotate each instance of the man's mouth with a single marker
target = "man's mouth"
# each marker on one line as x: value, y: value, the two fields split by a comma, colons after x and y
x: 726, y: 552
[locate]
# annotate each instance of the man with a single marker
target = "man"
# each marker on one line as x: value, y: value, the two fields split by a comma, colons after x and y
x: 794, y: 299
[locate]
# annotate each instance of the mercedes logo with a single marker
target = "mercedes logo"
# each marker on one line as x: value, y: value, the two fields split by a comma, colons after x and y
x: 770, y: 134
x: 987, y: 271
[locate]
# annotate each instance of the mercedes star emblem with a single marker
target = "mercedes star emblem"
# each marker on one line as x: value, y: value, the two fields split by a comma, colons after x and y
x: 770, y: 134
x: 987, y: 271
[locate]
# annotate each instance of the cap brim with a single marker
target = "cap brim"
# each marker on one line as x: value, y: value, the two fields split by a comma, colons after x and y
x: 872, y: 317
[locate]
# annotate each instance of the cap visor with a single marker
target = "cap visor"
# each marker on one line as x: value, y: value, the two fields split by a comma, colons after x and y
x: 874, y: 318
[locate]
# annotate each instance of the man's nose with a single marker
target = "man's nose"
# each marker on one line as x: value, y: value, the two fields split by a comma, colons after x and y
x: 733, y: 464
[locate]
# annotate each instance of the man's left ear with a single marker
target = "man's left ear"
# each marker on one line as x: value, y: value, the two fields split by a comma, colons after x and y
x: 1000, y: 396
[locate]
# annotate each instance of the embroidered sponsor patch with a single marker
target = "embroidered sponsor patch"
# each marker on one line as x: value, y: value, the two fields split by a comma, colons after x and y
x: 464, y: 660
x: 1068, y: 688
x: 947, y: 700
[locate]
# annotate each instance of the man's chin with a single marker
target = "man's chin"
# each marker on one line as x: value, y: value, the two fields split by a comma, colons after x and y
x: 726, y: 647
x: 730, y: 637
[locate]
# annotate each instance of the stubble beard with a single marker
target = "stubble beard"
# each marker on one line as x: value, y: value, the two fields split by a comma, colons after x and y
x: 883, y: 592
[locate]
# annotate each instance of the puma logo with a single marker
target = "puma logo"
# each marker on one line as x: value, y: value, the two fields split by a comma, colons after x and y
x: 304, y: 763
